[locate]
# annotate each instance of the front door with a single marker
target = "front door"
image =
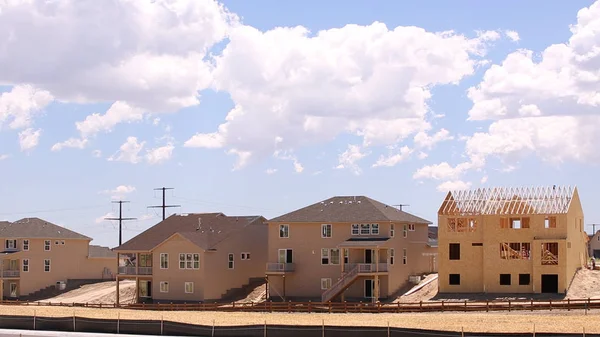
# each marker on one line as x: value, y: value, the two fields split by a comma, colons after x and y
x: 369, y: 288
x: 369, y: 256
x: 13, y: 290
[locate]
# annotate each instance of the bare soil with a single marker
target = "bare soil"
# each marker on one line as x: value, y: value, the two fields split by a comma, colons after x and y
x: 104, y: 292
x: 586, y: 283
x: 424, y: 294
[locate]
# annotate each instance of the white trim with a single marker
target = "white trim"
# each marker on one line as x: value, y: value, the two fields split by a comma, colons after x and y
x: 49, y: 245
x: 191, y: 260
x: 185, y: 287
x: 285, y: 255
x: 392, y: 256
x: 404, y: 256
x: 372, y: 227
x: 327, y: 282
x: 405, y: 231
x: 160, y: 265
x: 288, y: 231
x: 323, y: 226
x: 244, y: 256
x: 49, y: 265
x: 23, y: 265
x: 164, y: 283
x: 357, y: 229
x: 392, y: 230
x: 24, y: 245
x: 411, y: 227
x: 231, y: 261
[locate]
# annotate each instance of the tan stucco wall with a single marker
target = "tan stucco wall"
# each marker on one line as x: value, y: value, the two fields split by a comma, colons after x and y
x: 594, y: 243
x: 480, y: 266
x: 306, y: 243
x: 68, y: 261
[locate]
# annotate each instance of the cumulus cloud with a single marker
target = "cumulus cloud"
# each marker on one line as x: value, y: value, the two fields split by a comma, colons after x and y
x: 119, y: 112
x: 394, y: 159
x: 19, y: 106
x: 129, y: 152
x: 29, y: 138
x: 369, y: 81
x: 271, y: 171
x: 160, y: 154
x: 75, y: 143
x: 349, y: 158
x: 513, y: 35
x: 423, y: 140
x: 119, y: 191
x: 453, y: 185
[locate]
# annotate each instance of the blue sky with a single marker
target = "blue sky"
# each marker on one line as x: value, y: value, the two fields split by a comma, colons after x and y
x: 400, y: 114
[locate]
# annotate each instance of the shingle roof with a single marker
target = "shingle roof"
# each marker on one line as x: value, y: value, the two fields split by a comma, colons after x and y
x: 205, y: 230
x: 37, y: 228
x: 349, y: 209
x: 101, y: 252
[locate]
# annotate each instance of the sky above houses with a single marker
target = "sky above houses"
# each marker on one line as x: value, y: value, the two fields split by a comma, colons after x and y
x: 262, y: 107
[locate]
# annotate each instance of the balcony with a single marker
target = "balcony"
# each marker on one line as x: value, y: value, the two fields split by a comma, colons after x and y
x: 280, y: 268
x: 368, y: 268
x: 133, y: 270
x: 10, y: 273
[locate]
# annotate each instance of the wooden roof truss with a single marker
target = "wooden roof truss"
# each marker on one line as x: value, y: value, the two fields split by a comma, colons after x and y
x: 508, y: 201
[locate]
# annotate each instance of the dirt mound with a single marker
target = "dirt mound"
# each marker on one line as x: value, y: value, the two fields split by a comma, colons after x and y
x: 426, y: 293
x: 104, y: 292
x: 586, y: 283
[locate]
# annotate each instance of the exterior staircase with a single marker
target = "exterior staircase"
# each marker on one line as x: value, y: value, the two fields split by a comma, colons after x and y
x: 236, y: 294
x: 342, y: 284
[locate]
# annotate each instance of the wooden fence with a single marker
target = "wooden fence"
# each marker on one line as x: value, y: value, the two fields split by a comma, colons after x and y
x: 343, y: 307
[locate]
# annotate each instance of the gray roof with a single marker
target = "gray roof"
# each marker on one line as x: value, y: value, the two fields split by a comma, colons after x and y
x: 37, y: 228
x: 349, y: 209
x: 205, y: 230
x: 101, y: 252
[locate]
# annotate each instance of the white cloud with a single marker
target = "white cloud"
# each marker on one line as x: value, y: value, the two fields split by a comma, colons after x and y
x: 160, y: 155
x: 129, y: 151
x: 146, y: 53
x: 97, y: 153
x: 422, y: 155
x: 444, y: 171
x: 271, y: 171
x: 513, y: 35
x: 145, y: 217
x: 4, y: 156
x: 349, y: 158
x: 288, y: 155
x: 101, y: 219
x: 364, y: 80
x: 453, y: 185
x: 19, y: 106
x: 118, y: 112
x: 74, y: 143
x: 394, y: 159
x: 484, y: 179
x: 119, y: 191
x: 423, y: 140
x: 29, y: 138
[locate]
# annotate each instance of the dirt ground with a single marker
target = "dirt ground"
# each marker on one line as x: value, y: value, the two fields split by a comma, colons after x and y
x: 424, y: 294
x: 255, y: 296
x: 549, y: 321
x: 104, y: 292
x: 585, y: 284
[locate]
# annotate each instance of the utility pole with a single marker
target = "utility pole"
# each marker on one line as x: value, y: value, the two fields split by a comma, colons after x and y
x: 164, y: 206
x: 120, y: 218
x: 400, y: 206
x: 594, y: 227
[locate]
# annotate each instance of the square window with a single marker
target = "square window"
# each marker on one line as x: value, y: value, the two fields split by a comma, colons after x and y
x: 284, y: 231
x: 326, y: 231
x: 411, y: 227
x: 375, y: 229
x: 515, y: 223
x: 355, y: 229
x: 454, y: 279
x: 504, y: 279
x: 189, y: 287
x: 164, y: 287
x: 454, y: 251
x: 524, y: 279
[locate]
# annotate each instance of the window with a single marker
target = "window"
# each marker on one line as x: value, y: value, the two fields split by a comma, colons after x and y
x: 477, y: 244
x: 404, y: 256
x: 365, y: 229
x: 375, y: 229
x: 392, y: 256
x: 245, y: 256
x: 550, y: 253
x: 47, y: 265
x: 189, y: 287
x: 515, y: 251
x: 47, y: 245
x: 11, y: 244
x: 25, y: 265
x: 392, y: 230
x: 463, y: 224
x: 230, y: 261
x: 355, y: 229
x: 411, y: 227
x: 346, y: 257
x: 325, y: 283
x: 164, y: 287
x: 405, y: 231
x: 145, y: 260
x: 504, y: 279
x: 25, y: 245
x: 56, y: 242
x: 524, y: 279
x: 330, y: 256
x: 285, y: 256
x: 550, y: 222
x: 62, y: 242
x: 326, y: 230
x: 454, y: 251
x: 284, y: 231
x: 189, y: 261
x: 164, y: 261
x: 454, y: 279
x: 515, y: 223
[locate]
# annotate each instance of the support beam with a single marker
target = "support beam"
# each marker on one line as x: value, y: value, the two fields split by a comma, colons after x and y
x: 284, y: 298
x: 118, y: 293
x: 137, y: 290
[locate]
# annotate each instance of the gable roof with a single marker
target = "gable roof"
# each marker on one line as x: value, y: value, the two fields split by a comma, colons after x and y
x: 37, y: 228
x: 101, y: 252
x: 205, y: 230
x: 509, y: 200
x: 349, y: 209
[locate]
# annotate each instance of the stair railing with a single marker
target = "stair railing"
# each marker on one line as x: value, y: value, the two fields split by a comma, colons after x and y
x: 340, y: 284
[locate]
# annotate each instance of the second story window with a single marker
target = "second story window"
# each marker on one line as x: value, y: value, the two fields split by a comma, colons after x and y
x: 11, y: 244
x: 392, y: 256
x: 411, y: 227
x: 47, y: 245
x: 550, y: 222
x: 164, y: 261
x: 284, y: 231
x: 25, y: 265
x: 365, y: 229
x: 355, y: 229
x: 326, y: 230
x: 189, y: 261
x: 230, y: 261
x: 46, y: 266
x: 330, y: 256
x: 375, y: 229
x: 25, y: 245
x: 454, y: 251
x: 392, y: 230
x: 405, y: 231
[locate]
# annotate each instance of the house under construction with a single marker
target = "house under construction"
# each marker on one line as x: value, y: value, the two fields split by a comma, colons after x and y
x: 510, y: 240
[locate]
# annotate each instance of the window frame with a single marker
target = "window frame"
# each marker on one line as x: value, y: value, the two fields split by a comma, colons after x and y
x: 284, y: 229
x: 193, y: 263
x: 392, y: 230
x: 25, y: 245
x: 405, y: 231
x: 365, y: 229
x: 165, y: 260
x: 411, y: 227
x: 25, y: 265
x: 373, y: 227
x: 355, y: 227
x: 450, y: 255
x: 392, y: 255
x: 404, y: 256
x: 327, y: 282
x: 48, y: 265
x: 231, y: 261
x: 163, y: 285
x: 324, y: 234
x: 245, y: 256
x: 47, y: 244
x: 185, y: 287
x: 450, y: 278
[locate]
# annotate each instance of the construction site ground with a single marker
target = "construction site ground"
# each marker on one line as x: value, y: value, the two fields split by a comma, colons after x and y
x: 103, y: 292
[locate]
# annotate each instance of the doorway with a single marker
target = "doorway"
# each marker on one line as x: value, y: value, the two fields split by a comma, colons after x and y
x: 145, y: 288
x: 369, y: 288
x: 550, y: 283
x: 369, y: 256
x: 13, y: 289
x: 285, y: 256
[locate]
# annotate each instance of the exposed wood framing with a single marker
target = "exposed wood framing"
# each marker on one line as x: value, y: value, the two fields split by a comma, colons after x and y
x: 550, y: 253
x: 462, y: 225
x: 515, y: 251
x: 509, y: 201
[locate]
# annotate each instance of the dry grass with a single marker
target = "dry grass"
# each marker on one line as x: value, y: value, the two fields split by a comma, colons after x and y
x: 548, y: 321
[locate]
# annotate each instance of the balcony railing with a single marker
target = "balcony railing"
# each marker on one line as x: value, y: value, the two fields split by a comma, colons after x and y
x: 280, y: 267
x: 133, y: 270
x: 10, y: 273
x: 366, y: 268
x: 145, y: 271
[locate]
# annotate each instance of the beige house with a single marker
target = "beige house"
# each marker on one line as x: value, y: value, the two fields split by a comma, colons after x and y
x: 194, y: 257
x: 37, y: 254
x: 594, y: 245
x: 510, y: 240
x: 347, y: 247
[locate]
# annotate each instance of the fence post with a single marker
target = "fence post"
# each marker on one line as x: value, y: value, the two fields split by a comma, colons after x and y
x: 586, y: 305
x: 550, y: 304
x: 118, y: 322
x: 265, y: 328
x: 74, y: 329
x: 388, y: 328
x: 508, y: 305
x: 323, y: 327
x: 442, y: 305
x: 466, y: 305
x: 462, y: 331
x: 487, y: 305
x: 532, y: 304
x: 420, y: 305
x: 34, y: 318
x: 213, y: 329
x: 533, y: 329
x: 584, y: 331
x: 330, y: 307
x: 162, y: 324
x: 309, y: 307
x: 568, y: 304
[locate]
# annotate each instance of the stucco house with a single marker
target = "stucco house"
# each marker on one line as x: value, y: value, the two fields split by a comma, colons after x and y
x: 37, y: 254
x: 194, y: 257
x: 346, y: 247
x: 511, y: 240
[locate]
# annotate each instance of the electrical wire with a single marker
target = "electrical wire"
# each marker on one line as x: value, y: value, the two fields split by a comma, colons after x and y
x: 55, y: 210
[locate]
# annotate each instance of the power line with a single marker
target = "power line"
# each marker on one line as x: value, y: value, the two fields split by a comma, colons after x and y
x: 164, y: 206
x: 120, y: 218
x: 55, y: 210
